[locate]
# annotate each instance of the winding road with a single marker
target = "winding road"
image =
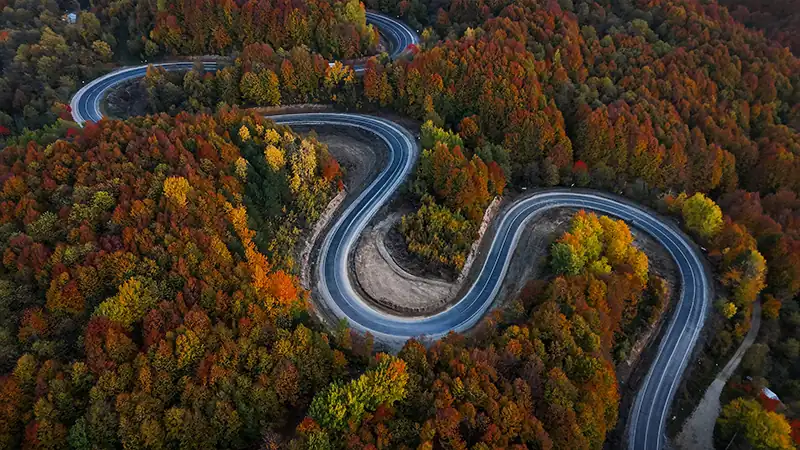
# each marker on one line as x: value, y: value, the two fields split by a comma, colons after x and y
x: 648, y: 415
x: 85, y: 104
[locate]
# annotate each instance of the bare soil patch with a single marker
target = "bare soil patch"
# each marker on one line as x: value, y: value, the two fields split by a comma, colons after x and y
x: 390, y: 285
x: 401, y: 282
x: 360, y: 155
x: 529, y: 261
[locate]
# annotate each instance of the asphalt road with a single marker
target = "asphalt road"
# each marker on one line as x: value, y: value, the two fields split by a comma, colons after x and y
x: 648, y: 416
x: 398, y: 33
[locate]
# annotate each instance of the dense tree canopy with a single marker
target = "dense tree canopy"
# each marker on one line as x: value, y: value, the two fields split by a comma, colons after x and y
x: 644, y: 98
x: 150, y: 257
x: 259, y: 77
x: 133, y: 272
x: 596, y: 245
x: 454, y: 191
x: 778, y: 19
x: 334, y: 28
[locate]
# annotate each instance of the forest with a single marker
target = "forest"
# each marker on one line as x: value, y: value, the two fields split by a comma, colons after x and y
x: 148, y: 292
x: 137, y: 272
x: 443, y: 234
x: 779, y: 20
x: 652, y: 99
x: 149, y: 257
x: 334, y: 28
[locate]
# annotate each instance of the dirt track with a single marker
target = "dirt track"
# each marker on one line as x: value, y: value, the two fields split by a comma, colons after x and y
x: 698, y: 431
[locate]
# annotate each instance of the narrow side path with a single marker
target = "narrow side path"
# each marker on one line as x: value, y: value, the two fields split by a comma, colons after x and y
x: 698, y: 431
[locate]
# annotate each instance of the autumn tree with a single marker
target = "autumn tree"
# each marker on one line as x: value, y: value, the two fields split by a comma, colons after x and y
x: 746, y: 420
x: 261, y: 89
x: 438, y: 235
x: 596, y: 244
x: 702, y: 216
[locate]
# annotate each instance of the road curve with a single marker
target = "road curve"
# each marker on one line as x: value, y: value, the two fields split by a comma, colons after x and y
x: 85, y: 104
x: 648, y: 415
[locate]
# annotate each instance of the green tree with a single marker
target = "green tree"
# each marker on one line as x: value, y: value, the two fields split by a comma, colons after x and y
x: 135, y: 298
x: 598, y: 244
x: 430, y: 134
x: 261, y: 89
x: 271, y: 84
x: 756, y: 360
x: 250, y: 86
x: 341, y: 405
x: 565, y: 260
x: 438, y: 234
x: 226, y: 85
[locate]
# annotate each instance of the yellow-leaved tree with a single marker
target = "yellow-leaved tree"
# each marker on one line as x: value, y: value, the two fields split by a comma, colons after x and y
x: 175, y: 189
x: 275, y: 157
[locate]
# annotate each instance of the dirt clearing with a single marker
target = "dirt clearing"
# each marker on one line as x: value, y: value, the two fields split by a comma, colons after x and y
x: 390, y: 285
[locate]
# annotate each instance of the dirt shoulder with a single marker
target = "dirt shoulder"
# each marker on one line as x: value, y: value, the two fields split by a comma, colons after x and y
x: 662, y: 265
x: 529, y: 260
x: 360, y: 155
